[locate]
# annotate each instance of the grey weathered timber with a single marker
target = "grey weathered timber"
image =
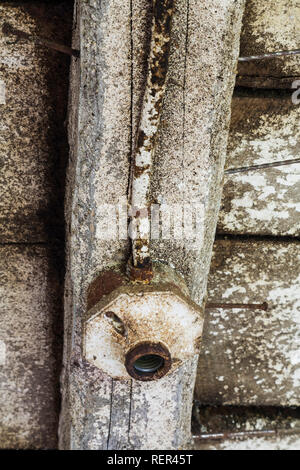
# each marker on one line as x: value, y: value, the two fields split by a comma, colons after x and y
x: 106, y: 91
x: 263, y: 201
x: 212, y: 420
x: 191, y: 147
x: 33, y: 106
x: 30, y: 347
x: 234, y: 427
x: 252, y: 357
x: 269, y: 27
x: 33, y: 151
x: 148, y: 126
x: 276, y: 441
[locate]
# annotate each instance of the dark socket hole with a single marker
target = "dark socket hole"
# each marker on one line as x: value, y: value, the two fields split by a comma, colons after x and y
x: 150, y: 363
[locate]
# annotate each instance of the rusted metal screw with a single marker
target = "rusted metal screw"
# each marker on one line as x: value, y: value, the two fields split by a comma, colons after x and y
x: 148, y: 361
x: 116, y: 322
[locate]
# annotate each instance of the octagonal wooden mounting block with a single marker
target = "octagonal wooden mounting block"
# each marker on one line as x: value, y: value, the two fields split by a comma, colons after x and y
x: 156, y: 319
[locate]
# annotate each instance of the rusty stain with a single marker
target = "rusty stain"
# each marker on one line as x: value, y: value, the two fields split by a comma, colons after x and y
x: 142, y: 273
x: 104, y: 284
x: 148, y: 129
x: 138, y: 171
x: 144, y: 349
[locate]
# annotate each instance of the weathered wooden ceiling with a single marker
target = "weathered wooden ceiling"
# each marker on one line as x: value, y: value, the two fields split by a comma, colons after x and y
x: 248, y: 357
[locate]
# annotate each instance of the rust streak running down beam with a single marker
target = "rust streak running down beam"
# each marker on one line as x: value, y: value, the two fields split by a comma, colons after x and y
x: 147, y: 131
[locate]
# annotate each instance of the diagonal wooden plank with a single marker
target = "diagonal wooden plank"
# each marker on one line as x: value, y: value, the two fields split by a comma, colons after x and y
x: 107, y: 84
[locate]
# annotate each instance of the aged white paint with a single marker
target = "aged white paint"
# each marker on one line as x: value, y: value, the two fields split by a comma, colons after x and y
x: 142, y: 161
x: 2, y: 353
